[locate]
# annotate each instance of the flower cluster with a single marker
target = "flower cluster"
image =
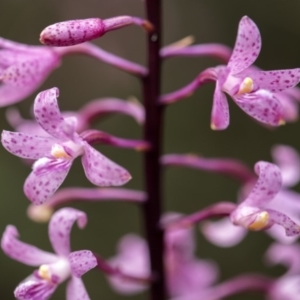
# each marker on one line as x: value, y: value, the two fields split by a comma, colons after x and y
x: 165, y: 262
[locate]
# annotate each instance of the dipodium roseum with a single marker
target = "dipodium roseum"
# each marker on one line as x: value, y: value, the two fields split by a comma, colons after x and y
x: 54, y: 155
x: 251, y: 89
x: 53, y: 268
x: 223, y: 233
x: 255, y: 212
x: 23, y: 69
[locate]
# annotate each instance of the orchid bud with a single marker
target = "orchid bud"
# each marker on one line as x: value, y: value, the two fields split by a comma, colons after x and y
x: 79, y: 31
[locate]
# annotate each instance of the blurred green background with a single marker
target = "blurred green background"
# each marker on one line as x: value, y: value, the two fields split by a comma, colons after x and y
x: 81, y: 79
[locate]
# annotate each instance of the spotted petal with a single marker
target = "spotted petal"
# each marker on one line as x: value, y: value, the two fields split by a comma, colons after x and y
x: 220, y: 111
x: 102, y: 171
x: 291, y: 228
x: 60, y: 228
x: 22, y: 252
x: 76, y: 290
x: 274, y: 81
x: 48, y: 115
x: 33, y: 288
x: 81, y: 262
x: 262, y: 106
x: 267, y: 186
x: 247, y: 46
x: 26, y: 145
x: 46, y: 177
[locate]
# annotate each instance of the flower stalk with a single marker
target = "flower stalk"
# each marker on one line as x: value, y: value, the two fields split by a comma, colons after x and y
x: 152, y: 134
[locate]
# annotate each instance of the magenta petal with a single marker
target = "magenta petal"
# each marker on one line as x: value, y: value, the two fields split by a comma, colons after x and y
x: 60, y: 228
x: 102, y: 171
x: 262, y: 106
x: 26, y: 145
x: 267, y: 186
x: 48, y: 115
x: 291, y: 228
x: 223, y: 233
x: 275, y: 81
x: 288, y: 160
x: 220, y: 111
x: 22, y: 252
x: 33, y: 288
x: 30, y: 71
x: 9, y: 94
x: 247, y: 46
x: 46, y: 177
x: 76, y: 290
x: 81, y: 262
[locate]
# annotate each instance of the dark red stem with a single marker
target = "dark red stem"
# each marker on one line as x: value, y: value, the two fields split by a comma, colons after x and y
x: 152, y: 133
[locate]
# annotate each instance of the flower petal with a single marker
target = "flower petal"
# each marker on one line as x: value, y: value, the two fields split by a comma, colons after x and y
x: 267, y: 186
x: 46, y: 177
x: 26, y: 145
x: 285, y: 288
x: 288, y: 160
x: 291, y: 228
x: 287, y: 255
x: 102, y: 171
x: 247, y: 46
x: 81, y: 262
x: 60, y: 227
x: 9, y: 94
x: 76, y: 290
x: 22, y: 252
x: 33, y: 288
x: 190, y: 277
x: 220, y: 111
x: 262, y: 106
x: 278, y: 234
x: 48, y: 115
x: 223, y: 233
x: 132, y: 259
x: 274, y: 81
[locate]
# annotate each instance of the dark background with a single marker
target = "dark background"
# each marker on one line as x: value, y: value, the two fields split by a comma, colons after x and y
x: 81, y: 79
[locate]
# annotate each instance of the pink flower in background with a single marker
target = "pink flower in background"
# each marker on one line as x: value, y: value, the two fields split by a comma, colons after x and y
x: 23, y: 69
x: 251, y: 89
x: 53, y: 268
x: 223, y: 233
x: 54, y: 154
x: 286, y: 287
x: 184, y: 273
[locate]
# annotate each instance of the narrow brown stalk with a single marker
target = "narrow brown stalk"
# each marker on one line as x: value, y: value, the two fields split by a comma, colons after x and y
x: 152, y: 134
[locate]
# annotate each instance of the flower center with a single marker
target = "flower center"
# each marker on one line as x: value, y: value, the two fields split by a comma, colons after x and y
x: 246, y: 86
x: 58, y: 151
x: 44, y: 272
x: 261, y: 221
x: 56, y: 272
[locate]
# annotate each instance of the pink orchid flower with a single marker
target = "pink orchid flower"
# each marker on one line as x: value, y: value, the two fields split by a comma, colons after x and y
x: 53, y: 268
x: 55, y: 154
